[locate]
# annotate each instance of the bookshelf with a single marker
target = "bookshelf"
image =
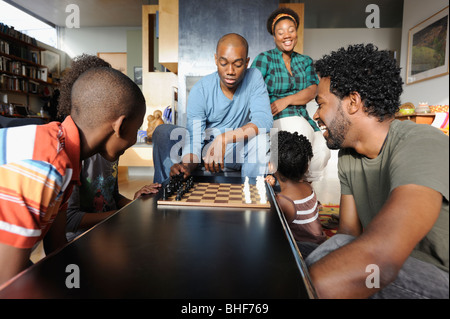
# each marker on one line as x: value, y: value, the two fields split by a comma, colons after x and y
x: 22, y: 76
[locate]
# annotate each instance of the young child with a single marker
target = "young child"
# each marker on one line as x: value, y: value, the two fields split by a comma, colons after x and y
x: 98, y: 196
x: 296, y: 199
x: 39, y: 164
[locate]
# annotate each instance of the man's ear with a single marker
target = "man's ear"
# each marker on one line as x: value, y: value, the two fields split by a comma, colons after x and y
x: 355, y: 103
x: 215, y: 59
x: 118, y: 126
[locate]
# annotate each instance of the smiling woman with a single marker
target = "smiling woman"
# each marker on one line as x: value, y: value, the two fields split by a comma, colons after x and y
x: 291, y: 83
x: 28, y: 24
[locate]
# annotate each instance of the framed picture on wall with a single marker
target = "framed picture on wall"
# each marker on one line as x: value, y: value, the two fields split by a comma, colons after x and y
x: 51, y: 60
x: 428, y: 49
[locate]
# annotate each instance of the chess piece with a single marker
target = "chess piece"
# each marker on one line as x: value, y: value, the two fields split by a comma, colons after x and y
x: 247, y: 195
x: 261, y: 186
x: 179, y: 194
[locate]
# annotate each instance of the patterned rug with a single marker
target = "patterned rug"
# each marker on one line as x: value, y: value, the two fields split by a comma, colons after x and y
x: 329, y: 218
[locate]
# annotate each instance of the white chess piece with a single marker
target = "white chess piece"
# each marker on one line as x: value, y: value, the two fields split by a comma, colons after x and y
x: 261, y: 186
x: 247, y: 194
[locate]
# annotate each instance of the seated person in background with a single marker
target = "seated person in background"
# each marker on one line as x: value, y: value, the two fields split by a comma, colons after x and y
x: 230, y: 109
x: 290, y: 155
x: 99, y: 191
x: 392, y: 240
x: 41, y: 163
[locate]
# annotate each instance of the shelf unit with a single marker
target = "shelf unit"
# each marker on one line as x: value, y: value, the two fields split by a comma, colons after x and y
x: 21, y: 75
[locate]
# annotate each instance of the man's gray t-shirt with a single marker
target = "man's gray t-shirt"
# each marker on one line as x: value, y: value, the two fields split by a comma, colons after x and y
x: 413, y: 154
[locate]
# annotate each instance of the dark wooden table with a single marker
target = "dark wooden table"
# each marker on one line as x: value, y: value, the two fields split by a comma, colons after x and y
x: 151, y: 251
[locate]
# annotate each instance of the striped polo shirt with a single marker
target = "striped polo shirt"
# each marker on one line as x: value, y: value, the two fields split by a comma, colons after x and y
x: 38, y: 166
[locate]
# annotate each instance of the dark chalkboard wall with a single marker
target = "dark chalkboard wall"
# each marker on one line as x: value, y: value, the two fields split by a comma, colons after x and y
x: 203, y: 22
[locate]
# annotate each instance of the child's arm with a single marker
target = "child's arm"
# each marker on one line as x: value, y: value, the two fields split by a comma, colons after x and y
x: 148, y: 189
x: 287, y: 207
x: 56, y: 235
x: 271, y: 180
x: 12, y: 261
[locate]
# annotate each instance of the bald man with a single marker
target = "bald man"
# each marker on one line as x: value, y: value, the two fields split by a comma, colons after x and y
x: 40, y: 164
x: 228, y: 116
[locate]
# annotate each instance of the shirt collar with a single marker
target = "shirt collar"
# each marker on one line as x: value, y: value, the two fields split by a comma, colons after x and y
x: 280, y: 53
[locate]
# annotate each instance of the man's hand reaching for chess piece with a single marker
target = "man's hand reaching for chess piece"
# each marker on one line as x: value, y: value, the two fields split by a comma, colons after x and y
x: 187, y: 166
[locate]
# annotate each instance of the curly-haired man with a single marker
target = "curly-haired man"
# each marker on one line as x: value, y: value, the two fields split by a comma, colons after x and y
x: 393, y: 231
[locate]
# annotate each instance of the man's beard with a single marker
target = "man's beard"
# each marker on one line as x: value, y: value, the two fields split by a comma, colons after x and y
x: 337, y: 130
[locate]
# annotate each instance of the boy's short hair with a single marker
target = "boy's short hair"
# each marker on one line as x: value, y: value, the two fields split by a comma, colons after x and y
x: 104, y: 94
x: 80, y: 64
x: 293, y: 152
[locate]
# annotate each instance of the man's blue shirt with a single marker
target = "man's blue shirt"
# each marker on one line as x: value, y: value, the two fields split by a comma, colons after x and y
x: 210, y: 112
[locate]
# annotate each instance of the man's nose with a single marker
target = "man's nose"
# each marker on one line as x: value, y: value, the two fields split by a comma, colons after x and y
x: 316, y: 115
x: 230, y: 69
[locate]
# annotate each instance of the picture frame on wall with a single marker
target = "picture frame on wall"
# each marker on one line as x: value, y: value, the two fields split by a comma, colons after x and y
x: 51, y: 60
x: 428, y: 48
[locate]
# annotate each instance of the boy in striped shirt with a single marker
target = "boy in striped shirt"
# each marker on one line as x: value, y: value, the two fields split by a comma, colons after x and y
x: 40, y: 164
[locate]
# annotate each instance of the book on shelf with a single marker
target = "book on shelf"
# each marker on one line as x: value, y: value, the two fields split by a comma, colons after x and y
x: 20, y: 64
x: 22, y: 68
x: 35, y: 57
x: 4, y: 47
x: 43, y: 74
x: 21, y: 49
x: 10, y: 31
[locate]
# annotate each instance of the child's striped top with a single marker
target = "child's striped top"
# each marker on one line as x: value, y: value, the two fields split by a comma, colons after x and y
x: 38, y: 166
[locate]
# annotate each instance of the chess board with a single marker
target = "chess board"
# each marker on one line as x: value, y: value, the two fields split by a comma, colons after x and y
x: 217, y: 195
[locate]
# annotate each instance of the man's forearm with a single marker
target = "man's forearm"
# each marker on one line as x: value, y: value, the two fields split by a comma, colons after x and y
x: 243, y: 133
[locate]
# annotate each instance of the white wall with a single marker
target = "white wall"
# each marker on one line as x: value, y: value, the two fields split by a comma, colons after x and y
x: 318, y: 42
x: 433, y: 91
x: 93, y: 40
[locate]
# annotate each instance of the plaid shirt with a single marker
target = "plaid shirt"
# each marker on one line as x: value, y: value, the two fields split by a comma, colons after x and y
x: 281, y: 84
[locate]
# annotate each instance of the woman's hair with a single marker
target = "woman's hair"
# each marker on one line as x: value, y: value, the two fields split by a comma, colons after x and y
x: 293, y: 153
x: 79, y: 65
x: 368, y: 71
x: 285, y: 13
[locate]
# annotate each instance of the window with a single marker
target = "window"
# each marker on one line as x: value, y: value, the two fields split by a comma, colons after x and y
x: 28, y: 24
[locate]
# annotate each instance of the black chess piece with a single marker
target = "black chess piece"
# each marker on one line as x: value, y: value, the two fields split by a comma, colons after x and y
x: 168, y: 190
x: 179, y: 195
